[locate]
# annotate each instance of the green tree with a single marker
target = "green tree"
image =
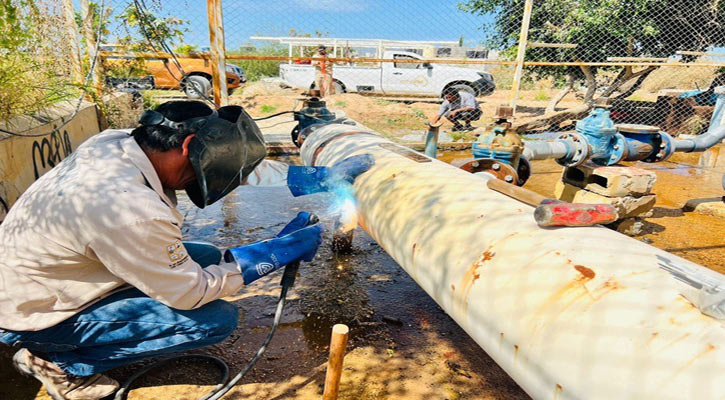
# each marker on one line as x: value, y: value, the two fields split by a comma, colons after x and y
x: 153, y: 33
x: 602, y: 29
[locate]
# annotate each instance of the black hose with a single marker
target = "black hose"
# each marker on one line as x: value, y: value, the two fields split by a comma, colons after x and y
x: 123, y: 391
x: 273, y: 115
x: 288, y: 280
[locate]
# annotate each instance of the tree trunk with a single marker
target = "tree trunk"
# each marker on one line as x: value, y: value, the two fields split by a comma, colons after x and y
x: 634, y: 86
x: 554, y: 119
x: 591, y: 83
x: 625, y: 76
x: 551, y: 107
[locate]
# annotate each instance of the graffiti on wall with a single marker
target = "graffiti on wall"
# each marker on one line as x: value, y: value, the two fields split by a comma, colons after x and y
x: 3, y: 208
x: 49, y: 151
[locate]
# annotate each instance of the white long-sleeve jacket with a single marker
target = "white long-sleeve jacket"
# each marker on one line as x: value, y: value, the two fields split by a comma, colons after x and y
x: 98, y: 221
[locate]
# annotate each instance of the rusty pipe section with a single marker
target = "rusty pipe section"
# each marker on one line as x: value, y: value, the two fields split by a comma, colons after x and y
x: 569, y: 313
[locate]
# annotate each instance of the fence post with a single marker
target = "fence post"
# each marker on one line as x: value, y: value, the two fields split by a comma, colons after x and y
x: 87, y: 15
x: 216, y: 44
x: 72, y: 32
x: 523, y: 38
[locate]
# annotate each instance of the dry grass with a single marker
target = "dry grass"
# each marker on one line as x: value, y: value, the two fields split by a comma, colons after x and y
x: 684, y: 78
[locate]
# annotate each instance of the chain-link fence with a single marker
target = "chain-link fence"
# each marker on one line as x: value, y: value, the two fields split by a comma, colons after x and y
x: 388, y: 63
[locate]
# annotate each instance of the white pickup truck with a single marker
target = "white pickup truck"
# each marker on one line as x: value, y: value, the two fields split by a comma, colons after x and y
x: 394, y: 78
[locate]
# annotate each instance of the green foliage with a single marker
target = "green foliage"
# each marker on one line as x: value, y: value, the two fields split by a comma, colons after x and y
x: 98, y: 20
x: 603, y: 28
x: 33, y: 66
x: 186, y: 49
x: 340, y: 103
x: 152, y: 29
x: 149, y: 102
x: 541, y: 96
x: 419, y: 113
x: 383, y: 102
x: 462, y: 136
x: 266, y: 108
x: 258, y: 69
x: 13, y: 26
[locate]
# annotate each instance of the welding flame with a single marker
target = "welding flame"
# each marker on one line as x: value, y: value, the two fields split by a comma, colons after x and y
x: 348, y: 216
x: 345, y: 207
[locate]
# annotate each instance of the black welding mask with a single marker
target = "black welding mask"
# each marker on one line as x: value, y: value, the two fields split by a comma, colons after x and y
x: 223, y: 153
x: 226, y: 148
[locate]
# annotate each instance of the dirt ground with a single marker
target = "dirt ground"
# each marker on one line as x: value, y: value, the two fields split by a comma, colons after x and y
x: 393, y: 117
x: 402, y: 345
x: 420, y: 353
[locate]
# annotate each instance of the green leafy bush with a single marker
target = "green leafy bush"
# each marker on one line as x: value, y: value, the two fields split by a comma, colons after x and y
x: 258, y: 69
x: 34, y: 67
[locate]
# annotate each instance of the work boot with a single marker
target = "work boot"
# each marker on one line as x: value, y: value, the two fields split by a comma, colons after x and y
x: 468, y: 128
x: 61, y: 386
x: 457, y: 127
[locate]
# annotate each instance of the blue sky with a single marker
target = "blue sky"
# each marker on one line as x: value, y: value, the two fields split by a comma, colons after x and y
x: 369, y: 19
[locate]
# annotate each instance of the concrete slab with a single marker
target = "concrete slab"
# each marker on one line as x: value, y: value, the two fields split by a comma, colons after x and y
x: 627, y: 206
x: 614, y: 181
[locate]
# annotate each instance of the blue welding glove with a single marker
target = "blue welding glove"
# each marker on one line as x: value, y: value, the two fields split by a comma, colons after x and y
x: 258, y: 259
x: 300, y: 221
x: 308, y: 180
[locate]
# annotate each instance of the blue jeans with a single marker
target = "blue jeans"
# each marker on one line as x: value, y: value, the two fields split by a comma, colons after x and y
x: 129, y: 326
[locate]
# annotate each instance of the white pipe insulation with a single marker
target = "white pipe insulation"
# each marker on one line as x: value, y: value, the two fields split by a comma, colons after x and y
x: 569, y: 313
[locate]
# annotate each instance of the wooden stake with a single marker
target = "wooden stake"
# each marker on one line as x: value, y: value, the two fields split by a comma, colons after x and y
x: 72, y: 32
x: 87, y: 15
x: 216, y: 45
x: 334, y: 365
x: 523, y: 37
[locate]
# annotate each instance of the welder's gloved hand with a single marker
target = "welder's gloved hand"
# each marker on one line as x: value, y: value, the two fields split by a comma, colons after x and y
x: 300, y: 221
x: 258, y: 259
x: 308, y: 180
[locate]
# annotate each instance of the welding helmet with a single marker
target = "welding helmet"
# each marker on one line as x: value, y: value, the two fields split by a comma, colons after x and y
x: 225, y: 149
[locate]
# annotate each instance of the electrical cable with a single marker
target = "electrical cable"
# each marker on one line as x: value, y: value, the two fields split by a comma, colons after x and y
x: 273, y: 115
x: 221, y: 388
x: 86, y: 82
x: 288, y: 280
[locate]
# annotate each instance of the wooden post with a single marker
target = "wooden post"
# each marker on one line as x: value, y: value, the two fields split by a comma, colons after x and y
x: 218, y: 51
x: 87, y: 15
x: 72, y: 32
x: 334, y: 364
x: 523, y: 37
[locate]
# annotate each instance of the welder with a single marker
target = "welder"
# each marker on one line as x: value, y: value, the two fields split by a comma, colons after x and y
x: 94, y: 273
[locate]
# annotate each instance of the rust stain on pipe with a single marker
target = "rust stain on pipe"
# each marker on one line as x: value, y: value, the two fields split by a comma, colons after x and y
x: 471, y: 276
x: 586, y: 272
x: 412, y: 254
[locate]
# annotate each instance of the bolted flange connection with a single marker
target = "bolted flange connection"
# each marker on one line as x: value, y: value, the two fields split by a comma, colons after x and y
x: 577, y: 149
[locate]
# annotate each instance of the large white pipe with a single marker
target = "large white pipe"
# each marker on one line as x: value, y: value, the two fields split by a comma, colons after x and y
x: 569, y: 313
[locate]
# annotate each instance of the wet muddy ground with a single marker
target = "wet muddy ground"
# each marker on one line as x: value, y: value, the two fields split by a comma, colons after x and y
x: 402, y: 345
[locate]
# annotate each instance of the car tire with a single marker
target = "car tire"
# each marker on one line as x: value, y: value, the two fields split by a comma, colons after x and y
x: 196, y: 87
x: 337, y: 87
